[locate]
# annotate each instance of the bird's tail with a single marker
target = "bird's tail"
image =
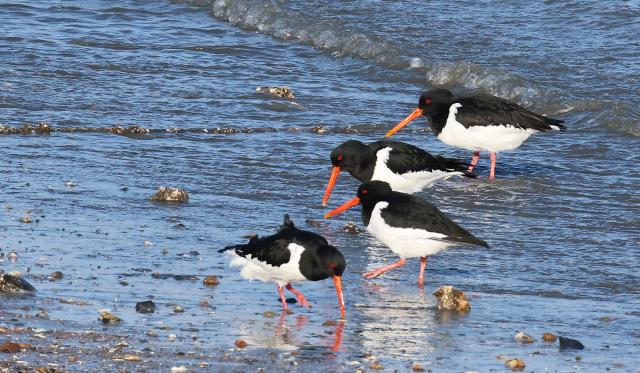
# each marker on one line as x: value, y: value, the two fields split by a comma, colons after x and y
x: 556, y: 124
x: 459, y: 166
x: 252, y: 241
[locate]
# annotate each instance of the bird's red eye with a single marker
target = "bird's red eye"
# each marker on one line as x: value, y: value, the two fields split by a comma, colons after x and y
x: 333, y: 265
x: 427, y: 101
x: 364, y: 191
x: 339, y: 157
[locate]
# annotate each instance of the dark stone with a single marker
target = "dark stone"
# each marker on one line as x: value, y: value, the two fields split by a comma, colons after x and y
x: 289, y: 300
x: 570, y: 344
x: 146, y: 307
x: 14, y: 284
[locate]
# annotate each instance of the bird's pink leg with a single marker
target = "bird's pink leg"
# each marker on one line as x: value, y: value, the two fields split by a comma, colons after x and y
x: 282, y: 299
x: 301, y: 298
x: 474, y: 160
x: 492, y: 174
x: 378, y: 271
x: 423, y: 265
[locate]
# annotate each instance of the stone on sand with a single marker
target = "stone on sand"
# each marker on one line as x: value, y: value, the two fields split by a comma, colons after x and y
x: 450, y: 299
x: 167, y: 194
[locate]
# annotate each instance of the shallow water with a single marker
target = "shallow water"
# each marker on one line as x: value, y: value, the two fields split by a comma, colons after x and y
x: 561, y: 218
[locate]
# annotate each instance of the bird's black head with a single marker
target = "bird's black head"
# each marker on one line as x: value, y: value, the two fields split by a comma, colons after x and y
x: 349, y: 155
x: 373, y: 191
x: 435, y: 102
x: 332, y: 261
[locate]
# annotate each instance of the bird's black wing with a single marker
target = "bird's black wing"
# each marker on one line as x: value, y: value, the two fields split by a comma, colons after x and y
x: 405, y: 158
x: 406, y: 211
x: 487, y: 110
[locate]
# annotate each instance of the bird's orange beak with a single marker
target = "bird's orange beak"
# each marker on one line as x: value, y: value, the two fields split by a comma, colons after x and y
x: 332, y: 181
x: 345, y: 206
x: 416, y: 113
x: 338, y: 281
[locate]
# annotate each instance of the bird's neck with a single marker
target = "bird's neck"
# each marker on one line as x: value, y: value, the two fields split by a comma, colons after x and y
x: 438, y: 122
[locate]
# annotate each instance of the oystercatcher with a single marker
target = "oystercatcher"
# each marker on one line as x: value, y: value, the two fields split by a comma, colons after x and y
x: 405, y: 167
x: 291, y: 255
x: 479, y: 123
x: 411, y: 227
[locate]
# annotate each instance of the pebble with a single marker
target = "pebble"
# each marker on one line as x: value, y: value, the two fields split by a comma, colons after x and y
x: 13, y: 347
x: 351, y: 228
x: 376, y: 365
x: 210, y: 281
x: 131, y: 357
x: 269, y: 314
x: 523, y: 338
x: 178, y: 309
x: 172, y: 337
x: 450, y: 299
x: 417, y: 368
x: 57, y: 275
x: 515, y: 364
x: 570, y: 344
x: 549, y: 337
x: 108, y: 318
x: 329, y: 323
x: 166, y: 194
x: 146, y: 306
x: 240, y: 343
x: 26, y: 219
x: 283, y: 92
x: 179, y: 369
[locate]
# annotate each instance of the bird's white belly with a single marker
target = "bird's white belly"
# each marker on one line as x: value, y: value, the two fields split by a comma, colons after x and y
x: 253, y: 269
x: 406, y: 242
x: 409, y: 182
x: 495, y: 138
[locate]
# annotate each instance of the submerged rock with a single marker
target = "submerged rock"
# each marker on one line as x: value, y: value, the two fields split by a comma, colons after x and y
x: 57, y: 275
x: 210, y: 281
x: 13, y: 347
x: 283, y: 92
x: 515, y: 364
x: 450, y: 299
x: 108, y: 318
x: 132, y: 130
x: 523, y: 338
x: 166, y: 194
x: 240, y: 343
x: 570, y: 344
x: 146, y: 306
x: 351, y: 228
x: 10, y: 283
x: 549, y: 337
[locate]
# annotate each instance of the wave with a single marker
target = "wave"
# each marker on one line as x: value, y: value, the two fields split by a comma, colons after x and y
x: 331, y: 35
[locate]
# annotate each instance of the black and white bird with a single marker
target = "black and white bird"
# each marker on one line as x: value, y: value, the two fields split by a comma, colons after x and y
x: 291, y: 255
x: 479, y: 123
x: 411, y: 227
x: 405, y: 167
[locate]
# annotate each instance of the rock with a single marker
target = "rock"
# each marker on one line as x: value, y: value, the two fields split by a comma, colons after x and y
x: 146, y: 306
x: 515, y: 364
x: 269, y: 314
x: 132, y: 130
x: 319, y: 129
x: 570, y: 344
x: 166, y: 194
x: 523, y: 338
x: 549, y: 337
x: 180, y: 369
x: 13, y: 347
x: 450, y: 299
x: 283, y: 92
x: 417, y: 368
x: 57, y: 275
x: 178, y: 309
x: 26, y: 219
x: 108, y: 318
x: 10, y: 283
x: 240, y: 343
x: 376, y: 365
x: 130, y: 357
x: 329, y: 323
x: 605, y: 318
x: 210, y: 281
x: 351, y: 228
